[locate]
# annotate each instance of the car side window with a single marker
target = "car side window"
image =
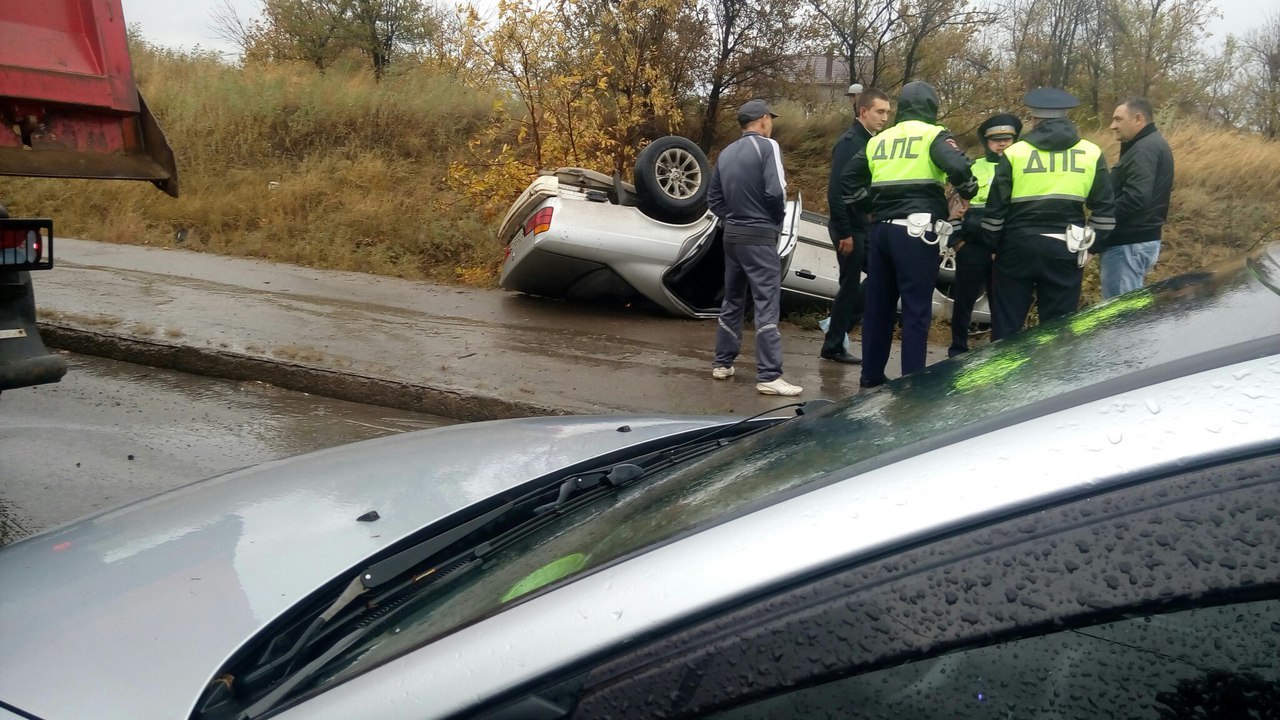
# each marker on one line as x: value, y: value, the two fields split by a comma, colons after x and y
x: 1212, y: 662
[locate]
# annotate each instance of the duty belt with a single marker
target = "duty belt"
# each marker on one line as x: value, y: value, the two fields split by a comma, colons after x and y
x: 1078, y: 240
x: 921, y: 224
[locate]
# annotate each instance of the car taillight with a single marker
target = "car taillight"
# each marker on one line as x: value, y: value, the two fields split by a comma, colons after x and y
x: 539, y: 222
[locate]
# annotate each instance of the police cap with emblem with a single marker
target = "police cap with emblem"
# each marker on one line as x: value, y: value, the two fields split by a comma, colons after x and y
x: 1002, y: 125
x: 1049, y: 102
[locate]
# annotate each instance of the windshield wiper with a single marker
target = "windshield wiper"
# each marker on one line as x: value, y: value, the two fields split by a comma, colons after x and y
x: 571, y: 493
x: 384, y: 586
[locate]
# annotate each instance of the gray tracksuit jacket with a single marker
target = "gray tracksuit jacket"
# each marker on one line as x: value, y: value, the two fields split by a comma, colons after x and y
x: 749, y: 190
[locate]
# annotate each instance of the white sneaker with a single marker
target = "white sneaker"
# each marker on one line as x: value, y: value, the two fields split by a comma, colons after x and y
x: 778, y: 386
x: 722, y: 373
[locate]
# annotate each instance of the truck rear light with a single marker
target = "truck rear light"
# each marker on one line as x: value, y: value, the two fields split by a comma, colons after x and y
x: 14, y: 239
x: 539, y: 222
x: 26, y: 244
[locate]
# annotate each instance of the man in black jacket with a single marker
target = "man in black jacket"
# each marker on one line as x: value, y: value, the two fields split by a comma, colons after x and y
x: 872, y: 110
x: 896, y: 182
x: 1143, y: 182
x: 1035, y: 216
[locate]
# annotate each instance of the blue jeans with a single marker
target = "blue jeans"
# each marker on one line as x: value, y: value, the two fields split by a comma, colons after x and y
x: 1125, y: 267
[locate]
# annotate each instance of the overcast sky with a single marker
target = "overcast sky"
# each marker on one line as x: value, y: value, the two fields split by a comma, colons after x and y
x: 187, y: 23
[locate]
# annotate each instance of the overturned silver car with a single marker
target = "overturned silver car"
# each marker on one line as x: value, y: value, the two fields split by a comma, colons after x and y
x: 582, y: 235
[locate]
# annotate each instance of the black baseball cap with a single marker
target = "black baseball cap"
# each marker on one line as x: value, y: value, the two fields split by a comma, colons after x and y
x: 754, y: 110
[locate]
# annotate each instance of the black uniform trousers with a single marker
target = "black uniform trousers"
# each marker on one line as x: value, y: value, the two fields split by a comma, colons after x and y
x: 847, y: 306
x: 1032, y: 265
x: 973, y: 277
x: 898, y: 266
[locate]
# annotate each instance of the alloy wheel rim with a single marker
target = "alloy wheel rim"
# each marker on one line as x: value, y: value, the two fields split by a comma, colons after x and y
x: 678, y: 173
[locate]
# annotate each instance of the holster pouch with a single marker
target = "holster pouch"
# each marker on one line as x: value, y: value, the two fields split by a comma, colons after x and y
x: 918, y: 224
x: 1079, y: 240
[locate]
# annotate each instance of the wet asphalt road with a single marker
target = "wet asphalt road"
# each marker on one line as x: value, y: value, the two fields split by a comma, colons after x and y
x: 112, y: 432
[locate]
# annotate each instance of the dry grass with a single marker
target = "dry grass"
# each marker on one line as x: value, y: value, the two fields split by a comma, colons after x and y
x: 84, y: 320
x: 298, y: 353
x: 281, y: 163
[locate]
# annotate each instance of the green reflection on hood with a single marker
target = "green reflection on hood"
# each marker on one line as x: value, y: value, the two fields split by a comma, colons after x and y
x: 992, y: 371
x: 1088, y: 320
x: 547, y: 574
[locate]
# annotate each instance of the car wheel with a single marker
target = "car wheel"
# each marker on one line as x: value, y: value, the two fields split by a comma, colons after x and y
x: 672, y: 175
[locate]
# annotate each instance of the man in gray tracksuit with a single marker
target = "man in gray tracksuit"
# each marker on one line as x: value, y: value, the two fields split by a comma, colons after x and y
x: 748, y: 194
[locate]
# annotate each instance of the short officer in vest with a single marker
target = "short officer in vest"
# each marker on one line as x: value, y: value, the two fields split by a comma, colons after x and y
x: 899, y: 180
x: 973, y: 256
x: 1035, y: 215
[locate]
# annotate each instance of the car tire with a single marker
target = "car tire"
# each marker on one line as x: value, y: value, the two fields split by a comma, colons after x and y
x: 671, y: 178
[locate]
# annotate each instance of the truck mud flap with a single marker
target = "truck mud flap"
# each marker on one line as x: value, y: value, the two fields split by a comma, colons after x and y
x: 24, y: 360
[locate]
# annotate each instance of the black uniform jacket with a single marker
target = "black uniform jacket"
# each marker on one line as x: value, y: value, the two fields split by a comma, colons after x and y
x: 1005, y: 220
x: 1143, y: 181
x: 898, y: 201
x: 850, y: 142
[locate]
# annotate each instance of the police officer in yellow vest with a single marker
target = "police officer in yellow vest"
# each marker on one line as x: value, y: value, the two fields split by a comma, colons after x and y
x: 899, y: 180
x: 973, y: 255
x: 1035, y: 215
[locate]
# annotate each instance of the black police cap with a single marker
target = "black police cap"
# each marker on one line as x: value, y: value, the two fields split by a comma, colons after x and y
x: 1049, y: 102
x: 1001, y: 124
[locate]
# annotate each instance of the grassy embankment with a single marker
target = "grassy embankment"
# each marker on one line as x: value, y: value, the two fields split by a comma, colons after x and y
x: 332, y: 171
x: 337, y: 171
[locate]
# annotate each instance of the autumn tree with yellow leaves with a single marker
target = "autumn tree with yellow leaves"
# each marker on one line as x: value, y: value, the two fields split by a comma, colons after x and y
x: 586, y: 82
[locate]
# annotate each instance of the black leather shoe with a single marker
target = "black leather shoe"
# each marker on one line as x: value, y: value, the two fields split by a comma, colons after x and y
x: 841, y: 357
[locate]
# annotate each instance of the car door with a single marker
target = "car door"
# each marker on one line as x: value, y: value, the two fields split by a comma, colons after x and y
x: 1157, y: 600
x: 812, y: 270
x: 787, y: 238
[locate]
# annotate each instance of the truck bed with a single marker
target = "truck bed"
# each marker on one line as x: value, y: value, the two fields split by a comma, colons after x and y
x: 68, y: 100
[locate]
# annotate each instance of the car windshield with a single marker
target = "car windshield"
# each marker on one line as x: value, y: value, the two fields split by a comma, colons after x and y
x: 1174, y: 323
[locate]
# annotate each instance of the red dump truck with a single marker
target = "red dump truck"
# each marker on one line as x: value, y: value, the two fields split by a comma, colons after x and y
x: 70, y: 109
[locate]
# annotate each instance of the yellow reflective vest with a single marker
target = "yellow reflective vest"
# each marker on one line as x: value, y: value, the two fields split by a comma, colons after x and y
x: 900, y: 155
x: 1052, y: 174
x: 983, y: 171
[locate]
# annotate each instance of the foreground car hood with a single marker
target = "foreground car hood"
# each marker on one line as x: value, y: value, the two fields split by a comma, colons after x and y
x: 129, y: 613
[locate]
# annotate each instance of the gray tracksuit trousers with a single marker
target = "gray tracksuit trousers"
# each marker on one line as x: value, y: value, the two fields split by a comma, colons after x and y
x: 756, y: 268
